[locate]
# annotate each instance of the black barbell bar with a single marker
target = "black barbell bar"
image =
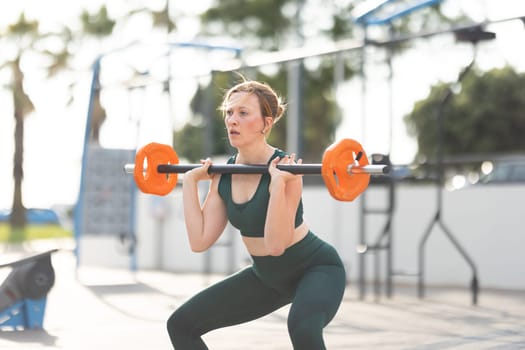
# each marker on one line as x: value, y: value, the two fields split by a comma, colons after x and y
x: 305, y: 169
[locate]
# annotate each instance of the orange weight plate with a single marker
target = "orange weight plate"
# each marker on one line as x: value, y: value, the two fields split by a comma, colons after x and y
x: 149, y: 180
x: 337, y: 158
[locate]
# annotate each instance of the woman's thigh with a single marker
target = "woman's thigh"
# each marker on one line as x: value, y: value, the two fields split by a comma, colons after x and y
x: 318, y: 295
x: 239, y: 298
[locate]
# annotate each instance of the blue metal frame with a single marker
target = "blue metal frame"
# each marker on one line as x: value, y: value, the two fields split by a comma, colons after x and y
x: 24, y: 314
x: 80, y: 200
x: 368, y: 18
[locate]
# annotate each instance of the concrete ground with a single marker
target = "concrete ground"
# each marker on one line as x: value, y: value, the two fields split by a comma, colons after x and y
x: 101, y: 308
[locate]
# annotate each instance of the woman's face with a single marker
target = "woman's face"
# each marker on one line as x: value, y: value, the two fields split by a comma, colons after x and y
x: 243, y: 119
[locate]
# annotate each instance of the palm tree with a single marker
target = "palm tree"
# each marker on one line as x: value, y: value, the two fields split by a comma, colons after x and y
x: 98, y: 26
x: 23, y: 34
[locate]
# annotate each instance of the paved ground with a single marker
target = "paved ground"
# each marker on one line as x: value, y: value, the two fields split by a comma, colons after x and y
x: 94, y: 308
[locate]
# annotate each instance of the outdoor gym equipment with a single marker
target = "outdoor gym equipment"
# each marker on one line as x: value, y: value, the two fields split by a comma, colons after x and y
x: 23, y: 293
x: 345, y: 169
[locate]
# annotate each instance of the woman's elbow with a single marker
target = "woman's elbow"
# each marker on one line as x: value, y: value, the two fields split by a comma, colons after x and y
x: 198, y: 247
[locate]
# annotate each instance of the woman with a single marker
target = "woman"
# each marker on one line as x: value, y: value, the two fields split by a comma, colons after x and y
x: 290, y: 264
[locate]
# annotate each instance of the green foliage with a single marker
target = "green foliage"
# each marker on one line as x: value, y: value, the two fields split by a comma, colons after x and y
x: 252, y: 19
x: 273, y: 25
x: 487, y: 115
x: 160, y: 18
x: 264, y: 25
x: 319, y: 124
x: 31, y: 232
x: 23, y: 27
x: 193, y: 139
x: 99, y: 24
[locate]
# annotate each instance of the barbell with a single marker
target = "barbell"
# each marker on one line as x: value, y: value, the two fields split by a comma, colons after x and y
x: 345, y: 169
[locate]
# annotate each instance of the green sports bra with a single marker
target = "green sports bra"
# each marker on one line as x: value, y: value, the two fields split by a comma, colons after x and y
x: 249, y: 217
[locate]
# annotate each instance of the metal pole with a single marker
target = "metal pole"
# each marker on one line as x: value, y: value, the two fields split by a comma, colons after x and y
x: 437, y: 219
x: 294, y: 125
x: 362, y: 211
x: 294, y: 116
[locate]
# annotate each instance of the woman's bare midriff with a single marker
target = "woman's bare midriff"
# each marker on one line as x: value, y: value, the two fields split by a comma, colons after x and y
x: 256, y: 246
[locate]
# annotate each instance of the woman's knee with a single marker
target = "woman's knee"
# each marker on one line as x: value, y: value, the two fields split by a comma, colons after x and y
x: 176, y: 326
x: 181, y: 330
x: 175, y: 323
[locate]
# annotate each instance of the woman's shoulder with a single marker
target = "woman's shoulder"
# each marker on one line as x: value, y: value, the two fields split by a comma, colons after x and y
x: 279, y: 153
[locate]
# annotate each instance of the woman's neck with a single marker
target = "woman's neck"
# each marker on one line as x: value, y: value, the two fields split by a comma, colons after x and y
x: 257, y: 154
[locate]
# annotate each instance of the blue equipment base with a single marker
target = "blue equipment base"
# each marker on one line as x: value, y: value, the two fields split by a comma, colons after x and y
x: 24, y: 314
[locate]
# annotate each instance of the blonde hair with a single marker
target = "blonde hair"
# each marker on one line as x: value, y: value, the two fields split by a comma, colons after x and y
x: 271, y: 104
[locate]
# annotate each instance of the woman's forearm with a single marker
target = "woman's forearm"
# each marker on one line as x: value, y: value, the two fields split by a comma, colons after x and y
x: 206, y: 222
x: 279, y: 220
x: 193, y: 216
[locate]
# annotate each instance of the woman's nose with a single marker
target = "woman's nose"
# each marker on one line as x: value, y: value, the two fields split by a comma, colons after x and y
x: 231, y: 120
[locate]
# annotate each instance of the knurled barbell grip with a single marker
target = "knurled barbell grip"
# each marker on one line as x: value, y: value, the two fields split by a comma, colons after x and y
x: 306, y: 169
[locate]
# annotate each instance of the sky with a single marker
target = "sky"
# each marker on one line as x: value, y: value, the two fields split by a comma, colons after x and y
x: 54, y: 133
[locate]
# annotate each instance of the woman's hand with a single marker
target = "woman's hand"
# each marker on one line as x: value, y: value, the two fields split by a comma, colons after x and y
x: 283, y: 175
x: 200, y: 173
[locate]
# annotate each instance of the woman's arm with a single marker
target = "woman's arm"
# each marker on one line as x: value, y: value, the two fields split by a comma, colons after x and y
x: 285, y: 194
x: 204, y: 224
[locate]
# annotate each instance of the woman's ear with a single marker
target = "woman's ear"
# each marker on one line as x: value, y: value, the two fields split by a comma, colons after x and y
x: 268, y: 123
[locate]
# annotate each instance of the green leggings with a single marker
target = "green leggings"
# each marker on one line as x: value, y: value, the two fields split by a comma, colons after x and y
x: 310, y: 275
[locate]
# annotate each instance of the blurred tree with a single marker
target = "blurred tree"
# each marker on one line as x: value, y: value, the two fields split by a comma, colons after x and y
x: 485, y: 116
x: 269, y: 25
x: 26, y: 39
x: 192, y: 140
x: 97, y: 26
x: 160, y: 18
x: 23, y: 34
